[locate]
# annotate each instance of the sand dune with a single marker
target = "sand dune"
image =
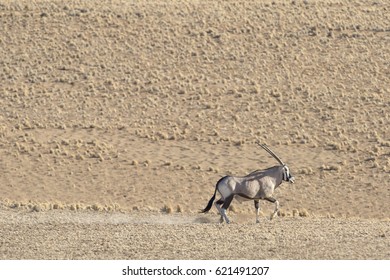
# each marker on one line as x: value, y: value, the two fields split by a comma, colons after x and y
x: 140, y: 107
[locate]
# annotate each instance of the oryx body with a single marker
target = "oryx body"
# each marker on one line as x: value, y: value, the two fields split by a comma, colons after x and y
x: 258, y: 185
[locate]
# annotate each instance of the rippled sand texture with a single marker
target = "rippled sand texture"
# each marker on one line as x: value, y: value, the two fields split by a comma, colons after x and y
x: 141, y: 106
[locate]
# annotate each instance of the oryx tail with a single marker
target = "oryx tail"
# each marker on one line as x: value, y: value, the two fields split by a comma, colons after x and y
x: 210, y: 204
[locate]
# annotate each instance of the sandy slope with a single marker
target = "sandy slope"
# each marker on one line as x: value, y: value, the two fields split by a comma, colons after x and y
x: 141, y: 106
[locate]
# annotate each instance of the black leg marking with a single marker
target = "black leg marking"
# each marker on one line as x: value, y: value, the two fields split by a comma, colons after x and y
x: 227, y: 202
x: 217, y: 205
x: 257, y: 204
x: 270, y: 199
x: 220, y: 201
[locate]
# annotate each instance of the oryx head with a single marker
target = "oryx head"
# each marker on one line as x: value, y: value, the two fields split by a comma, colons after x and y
x: 286, y: 171
x: 287, y: 175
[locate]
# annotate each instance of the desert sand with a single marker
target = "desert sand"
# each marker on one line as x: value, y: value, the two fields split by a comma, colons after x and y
x: 117, y: 118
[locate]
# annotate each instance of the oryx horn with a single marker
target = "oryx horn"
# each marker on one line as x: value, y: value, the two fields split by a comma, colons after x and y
x: 265, y: 147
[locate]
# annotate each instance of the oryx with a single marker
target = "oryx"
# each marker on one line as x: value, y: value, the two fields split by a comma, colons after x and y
x: 257, y: 185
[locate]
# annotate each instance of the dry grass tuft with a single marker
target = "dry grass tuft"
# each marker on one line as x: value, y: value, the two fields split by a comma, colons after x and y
x: 95, y: 207
x: 233, y: 208
x: 303, y: 213
x: 179, y: 209
x: 168, y: 209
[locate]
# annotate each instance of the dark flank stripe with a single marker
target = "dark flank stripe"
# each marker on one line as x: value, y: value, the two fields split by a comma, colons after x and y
x: 245, y: 196
x: 270, y: 199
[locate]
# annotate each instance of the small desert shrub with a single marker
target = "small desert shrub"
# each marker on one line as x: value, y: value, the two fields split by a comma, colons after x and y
x: 303, y: 213
x: 233, y: 209
x: 167, y: 209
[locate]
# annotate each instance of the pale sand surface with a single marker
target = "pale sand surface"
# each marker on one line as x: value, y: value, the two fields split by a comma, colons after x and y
x: 65, y: 234
x: 137, y: 108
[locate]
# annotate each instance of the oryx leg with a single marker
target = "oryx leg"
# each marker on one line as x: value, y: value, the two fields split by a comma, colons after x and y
x: 217, y: 205
x: 225, y: 206
x: 257, y: 206
x: 273, y: 200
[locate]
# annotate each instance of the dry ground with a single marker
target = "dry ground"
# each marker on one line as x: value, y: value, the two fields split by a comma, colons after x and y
x: 139, y: 107
x: 65, y: 234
